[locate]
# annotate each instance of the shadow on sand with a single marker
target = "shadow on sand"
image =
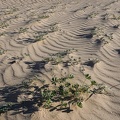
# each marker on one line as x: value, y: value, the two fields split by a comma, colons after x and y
x: 10, y: 95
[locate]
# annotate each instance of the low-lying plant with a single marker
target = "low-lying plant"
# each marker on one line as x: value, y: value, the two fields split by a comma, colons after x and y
x: 43, y: 17
x: 39, y: 36
x: 2, y: 51
x: 2, y: 34
x: 92, y: 15
x: 57, y: 58
x: 65, y: 93
x: 5, y: 108
x: 23, y: 30
x: 61, y: 94
x: 11, y: 11
x: 3, y: 25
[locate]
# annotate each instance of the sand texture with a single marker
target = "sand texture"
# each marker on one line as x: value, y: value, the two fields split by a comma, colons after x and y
x: 32, y: 30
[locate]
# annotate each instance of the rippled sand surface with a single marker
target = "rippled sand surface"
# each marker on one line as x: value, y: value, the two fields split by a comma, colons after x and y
x: 31, y: 30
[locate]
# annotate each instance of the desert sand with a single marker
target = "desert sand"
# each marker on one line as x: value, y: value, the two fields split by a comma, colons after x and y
x: 32, y: 30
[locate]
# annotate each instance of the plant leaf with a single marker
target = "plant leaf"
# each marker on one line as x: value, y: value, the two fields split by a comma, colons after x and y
x: 93, y: 82
x: 79, y: 104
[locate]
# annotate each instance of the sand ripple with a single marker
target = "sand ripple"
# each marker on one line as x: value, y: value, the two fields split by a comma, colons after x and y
x: 33, y: 29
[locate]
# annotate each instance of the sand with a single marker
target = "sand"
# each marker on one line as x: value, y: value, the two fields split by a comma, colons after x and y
x: 31, y: 30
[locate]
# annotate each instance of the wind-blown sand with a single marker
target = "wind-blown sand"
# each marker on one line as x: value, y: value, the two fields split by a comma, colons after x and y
x: 92, y: 27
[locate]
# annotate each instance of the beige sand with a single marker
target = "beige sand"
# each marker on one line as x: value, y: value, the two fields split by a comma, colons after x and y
x: 66, y: 24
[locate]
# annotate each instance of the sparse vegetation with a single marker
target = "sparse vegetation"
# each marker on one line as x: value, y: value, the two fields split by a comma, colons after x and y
x: 92, y: 15
x: 11, y: 11
x: 59, y: 57
x: 2, y: 34
x: 2, y: 51
x: 60, y: 94
x: 22, y: 30
x: 43, y: 17
x: 5, y: 108
x: 3, y: 25
x: 67, y: 94
x: 39, y: 36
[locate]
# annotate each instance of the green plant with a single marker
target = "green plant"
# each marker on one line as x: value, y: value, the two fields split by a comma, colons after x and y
x: 92, y: 15
x: 2, y: 51
x: 60, y: 94
x: 40, y: 36
x: 2, y: 34
x: 10, y: 11
x: 22, y: 30
x: 5, y: 108
x: 43, y: 17
x: 3, y: 25
x: 57, y: 58
x: 65, y: 93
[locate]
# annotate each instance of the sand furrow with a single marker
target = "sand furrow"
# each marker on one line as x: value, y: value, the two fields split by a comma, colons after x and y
x: 18, y: 71
x: 31, y: 30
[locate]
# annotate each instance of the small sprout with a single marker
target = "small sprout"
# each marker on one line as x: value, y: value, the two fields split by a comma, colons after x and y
x: 71, y: 76
x: 39, y: 36
x: 5, y: 108
x: 87, y: 76
x: 93, y: 83
x: 65, y: 93
x: 61, y: 89
x: 63, y: 104
x: 76, y: 86
x: 54, y: 80
x: 53, y: 93
x: 79, y: 104
x: 2, y: 51
x: 47, y: 104
x: 84, y: 88
x: 42, y: 81
x: 22, y: 30
x: 26, y: 54
x: 43, y: 17
x: 2, y: 34
x: 3, y: 25
x: 25, y: 84
x: 67, y: 84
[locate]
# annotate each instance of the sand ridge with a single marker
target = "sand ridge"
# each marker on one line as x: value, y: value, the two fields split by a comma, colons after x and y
x: 31, y: 30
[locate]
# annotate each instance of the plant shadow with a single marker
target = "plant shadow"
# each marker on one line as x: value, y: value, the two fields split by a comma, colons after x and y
x: 9, y: 99
x: 36, y: 66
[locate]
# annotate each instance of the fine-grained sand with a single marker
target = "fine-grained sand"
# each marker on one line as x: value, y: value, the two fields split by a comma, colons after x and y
x: 92, y: 27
